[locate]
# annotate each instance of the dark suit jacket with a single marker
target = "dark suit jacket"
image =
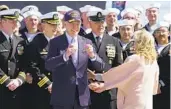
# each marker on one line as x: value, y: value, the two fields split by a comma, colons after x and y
x: 64, y: 74
x: 164, y: 64
x: 9, y: 56
x: 102, y: 51
x: 9, y: 68
x: 117, y: 35
x: 82, y: 32
x: 162, y: 101
x: 103, y: 99
x: 22, y: 32
x: 146, y: 27
x: 27, y: 43
x: 128, y: 50
x: 36, y: 53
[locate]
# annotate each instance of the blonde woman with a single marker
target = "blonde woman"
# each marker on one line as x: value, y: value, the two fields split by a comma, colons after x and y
x: 136, y: 79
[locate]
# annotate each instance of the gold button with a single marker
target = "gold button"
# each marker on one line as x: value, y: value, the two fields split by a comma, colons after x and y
x: 48, y: 73
x: 39, y: 78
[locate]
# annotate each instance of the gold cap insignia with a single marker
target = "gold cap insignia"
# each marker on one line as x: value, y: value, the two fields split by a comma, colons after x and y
x: 55, y: 16
x: 31, y: 9
x: 99, y: 14
x: 17, y: 14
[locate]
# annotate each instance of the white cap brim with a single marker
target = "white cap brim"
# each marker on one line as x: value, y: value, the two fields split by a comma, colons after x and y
x: 32, y: 13
x: 111, y: 10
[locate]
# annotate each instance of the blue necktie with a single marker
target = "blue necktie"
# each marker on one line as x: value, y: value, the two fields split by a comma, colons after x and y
x: 74, y: 55
x: 98, y: 42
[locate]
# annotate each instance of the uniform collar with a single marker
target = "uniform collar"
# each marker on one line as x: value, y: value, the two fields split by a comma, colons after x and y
x: 101, y: 36
x: 87, y: 30
x: 69, y: 38
x: 48, y: 38
x: 152, y: 28
x: 7, y: 36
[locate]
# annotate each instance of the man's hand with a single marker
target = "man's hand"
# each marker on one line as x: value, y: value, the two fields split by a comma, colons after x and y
x: 29, y: 78
x: 91, y: 74
x: 50, y: 88
x: 70, y: 50
x: 89, y: 50
x: 14, y: 84
x: 97, y: 87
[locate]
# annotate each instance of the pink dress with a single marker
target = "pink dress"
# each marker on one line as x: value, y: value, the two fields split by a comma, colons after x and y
x: 136, y: 81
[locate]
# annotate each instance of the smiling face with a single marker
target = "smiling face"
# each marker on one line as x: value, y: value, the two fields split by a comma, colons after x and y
x: 161, y: 35
x: 111, y: 19
x: 9, y: 24
x: 152, y: 14
x: 126, y: 32
x: 98, y: 27
x: 49, y: 29
x: 32, y: 23
x: 73, y: 28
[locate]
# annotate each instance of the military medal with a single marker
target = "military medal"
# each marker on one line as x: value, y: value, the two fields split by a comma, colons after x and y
x: 110, y: 61
x: 110, y: 49
x: 20, y: 49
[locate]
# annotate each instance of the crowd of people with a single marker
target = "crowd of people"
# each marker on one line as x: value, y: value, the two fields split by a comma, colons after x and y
x: 84, y: 59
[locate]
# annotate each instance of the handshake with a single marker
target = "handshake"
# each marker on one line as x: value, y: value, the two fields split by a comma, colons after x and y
x: 96, y: 86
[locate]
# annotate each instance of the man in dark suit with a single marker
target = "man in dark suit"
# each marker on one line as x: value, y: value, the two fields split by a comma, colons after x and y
x: 11, y: 48
x: 108, y: 48
x: 162, y: 100
x: 68, y: 59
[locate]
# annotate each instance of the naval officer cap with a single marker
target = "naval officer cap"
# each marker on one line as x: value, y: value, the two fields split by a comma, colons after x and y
x: 85, y: 8
x: 30, y: 10
x: 111, y: 10
x: 129, y: 10
x: 126, y: 22
x: 13, y: 14
x: 51, y: 18
x: 72, y: 15
x: 153, y: 5
x: 3, y: 7
x: 96, y: 14
x: 63, y: 8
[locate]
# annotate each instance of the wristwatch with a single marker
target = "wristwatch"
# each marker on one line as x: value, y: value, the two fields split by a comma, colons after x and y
x: 98, y: 77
